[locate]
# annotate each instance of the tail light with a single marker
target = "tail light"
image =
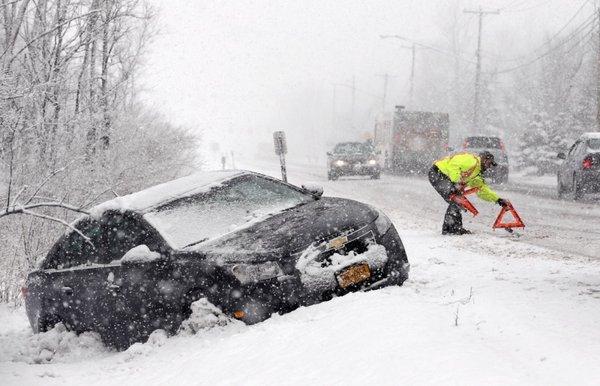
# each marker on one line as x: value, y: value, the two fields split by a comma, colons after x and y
x: 24, y: 292
x: 502, y: 147
x: 588, y: 162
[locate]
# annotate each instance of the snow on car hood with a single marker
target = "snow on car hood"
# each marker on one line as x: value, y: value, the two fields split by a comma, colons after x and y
x: 156, y: 195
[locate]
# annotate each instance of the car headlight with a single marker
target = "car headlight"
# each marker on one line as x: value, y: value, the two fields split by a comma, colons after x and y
x: 340, y: 163
x: 252, y: 273
x: 372, y: 162
x: 383, y: 223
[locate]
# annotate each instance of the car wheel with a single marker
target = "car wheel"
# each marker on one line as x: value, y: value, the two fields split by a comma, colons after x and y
x: 376, y: 176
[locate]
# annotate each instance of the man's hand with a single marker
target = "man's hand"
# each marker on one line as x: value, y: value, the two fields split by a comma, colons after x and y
x: 456, y: 189
x: 502, y: 202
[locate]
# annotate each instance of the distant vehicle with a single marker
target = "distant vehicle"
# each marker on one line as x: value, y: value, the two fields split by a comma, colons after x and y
x: 580, y: 172
x: 352, y: 159
x: 249, y: 244
x: 477, y: 144
x: 413, y: 140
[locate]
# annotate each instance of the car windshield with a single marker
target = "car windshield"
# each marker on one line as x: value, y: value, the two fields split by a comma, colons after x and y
x: 351, y: 148
x: 594, y: 143
x: 483, y: 142
x: 236, y: 204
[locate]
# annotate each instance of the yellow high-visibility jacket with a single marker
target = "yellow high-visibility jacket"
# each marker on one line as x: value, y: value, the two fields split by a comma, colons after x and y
x: 465, y: 168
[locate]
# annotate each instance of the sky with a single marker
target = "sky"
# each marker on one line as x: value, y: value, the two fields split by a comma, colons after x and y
x: 235, y: 71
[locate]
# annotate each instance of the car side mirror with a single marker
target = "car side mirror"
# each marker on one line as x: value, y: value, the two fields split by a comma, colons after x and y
x: 450, y: 148
x: 314, y: 189
x: 329, y: 153
x: 561, y: 155
x: 142, y: 254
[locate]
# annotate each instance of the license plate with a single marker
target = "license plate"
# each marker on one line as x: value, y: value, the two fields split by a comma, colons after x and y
x: 338, y: 242
x: 354, y: 275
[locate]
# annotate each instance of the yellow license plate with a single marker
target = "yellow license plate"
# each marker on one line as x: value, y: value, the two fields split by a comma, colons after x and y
x: 337, y: 243
x: 354, y: 275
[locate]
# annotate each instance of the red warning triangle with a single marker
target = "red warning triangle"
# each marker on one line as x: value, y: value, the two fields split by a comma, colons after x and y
x: 465, y: 203
x: 515, y: 223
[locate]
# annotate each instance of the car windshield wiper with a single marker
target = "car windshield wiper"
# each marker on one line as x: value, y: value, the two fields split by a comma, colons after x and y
x: 195, y: 242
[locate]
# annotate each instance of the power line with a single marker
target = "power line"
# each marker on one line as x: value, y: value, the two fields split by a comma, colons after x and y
x: 551, y: 50
x: 543, y: 2
x: 480, y: 13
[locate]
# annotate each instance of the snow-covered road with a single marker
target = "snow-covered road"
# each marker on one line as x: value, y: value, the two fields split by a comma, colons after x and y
x: 479, y: 309
x: 565, y: 227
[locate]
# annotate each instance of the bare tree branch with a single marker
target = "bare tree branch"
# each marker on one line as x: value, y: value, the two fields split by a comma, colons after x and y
x: 54, y: 219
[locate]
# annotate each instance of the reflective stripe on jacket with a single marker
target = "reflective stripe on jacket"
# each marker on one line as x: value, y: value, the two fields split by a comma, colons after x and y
x: 465, y: 168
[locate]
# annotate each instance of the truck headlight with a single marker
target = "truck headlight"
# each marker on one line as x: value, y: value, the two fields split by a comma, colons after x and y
x: 252, y: 273
x: 340, y: 163
x: 372, y: 162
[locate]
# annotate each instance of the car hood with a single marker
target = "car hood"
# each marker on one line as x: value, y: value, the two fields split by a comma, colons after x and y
x: 289, y: 232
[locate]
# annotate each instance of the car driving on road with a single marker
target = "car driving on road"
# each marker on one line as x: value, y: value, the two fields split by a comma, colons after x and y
x: 580, y: 171
x: 352, y: 159
x: 476, y: 144
x: 249, y: 244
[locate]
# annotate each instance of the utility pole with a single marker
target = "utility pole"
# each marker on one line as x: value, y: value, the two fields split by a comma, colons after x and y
x: 412, y: 74
x: 477, y: 106
x: 413, y: 49
x: 386, y: 77
x: 353, y: 98
x: 333, y: 112
x: 598, y: 74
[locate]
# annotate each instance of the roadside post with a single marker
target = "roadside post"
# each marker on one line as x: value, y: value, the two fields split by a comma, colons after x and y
x: 281, y: 150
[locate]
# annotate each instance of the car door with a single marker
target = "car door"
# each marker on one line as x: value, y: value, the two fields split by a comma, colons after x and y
x: 567, y: 167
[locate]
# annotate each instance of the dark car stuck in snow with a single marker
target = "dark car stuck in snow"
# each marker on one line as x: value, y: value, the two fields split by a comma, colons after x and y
x: 249, y: 244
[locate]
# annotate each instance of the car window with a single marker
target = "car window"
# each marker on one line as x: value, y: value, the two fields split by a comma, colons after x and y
x: 110, y: 238
x: 237, y: 204
x: 594, y: 143
x: 483, y: 142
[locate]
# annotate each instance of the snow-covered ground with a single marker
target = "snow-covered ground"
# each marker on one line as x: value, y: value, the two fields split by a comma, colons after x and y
x: 486, y: 308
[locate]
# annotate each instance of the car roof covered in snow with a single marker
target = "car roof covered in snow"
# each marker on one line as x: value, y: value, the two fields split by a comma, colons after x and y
x: 590, y: 135
x: 157, y: 195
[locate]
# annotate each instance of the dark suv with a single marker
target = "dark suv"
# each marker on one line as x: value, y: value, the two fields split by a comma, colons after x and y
x: 494, y: 145
x: 580, y: 172
x: 352, y: 159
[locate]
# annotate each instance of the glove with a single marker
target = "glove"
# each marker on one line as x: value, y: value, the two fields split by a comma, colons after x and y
x: 502, y: 202
x: 456, y: 189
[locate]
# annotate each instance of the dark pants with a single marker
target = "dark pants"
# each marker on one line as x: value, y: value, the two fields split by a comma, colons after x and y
x: 442, y: 184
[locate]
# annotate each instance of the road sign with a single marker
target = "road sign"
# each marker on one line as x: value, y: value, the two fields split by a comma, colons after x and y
x: 281, y: 150
x: 279, y: 142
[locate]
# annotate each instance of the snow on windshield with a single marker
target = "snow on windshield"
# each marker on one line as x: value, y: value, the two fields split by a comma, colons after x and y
x: 237, y: 204
x: 156, y: 195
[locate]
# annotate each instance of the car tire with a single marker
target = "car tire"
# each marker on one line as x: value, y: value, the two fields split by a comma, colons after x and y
x: 332, y: 177
x: 376, y: 176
